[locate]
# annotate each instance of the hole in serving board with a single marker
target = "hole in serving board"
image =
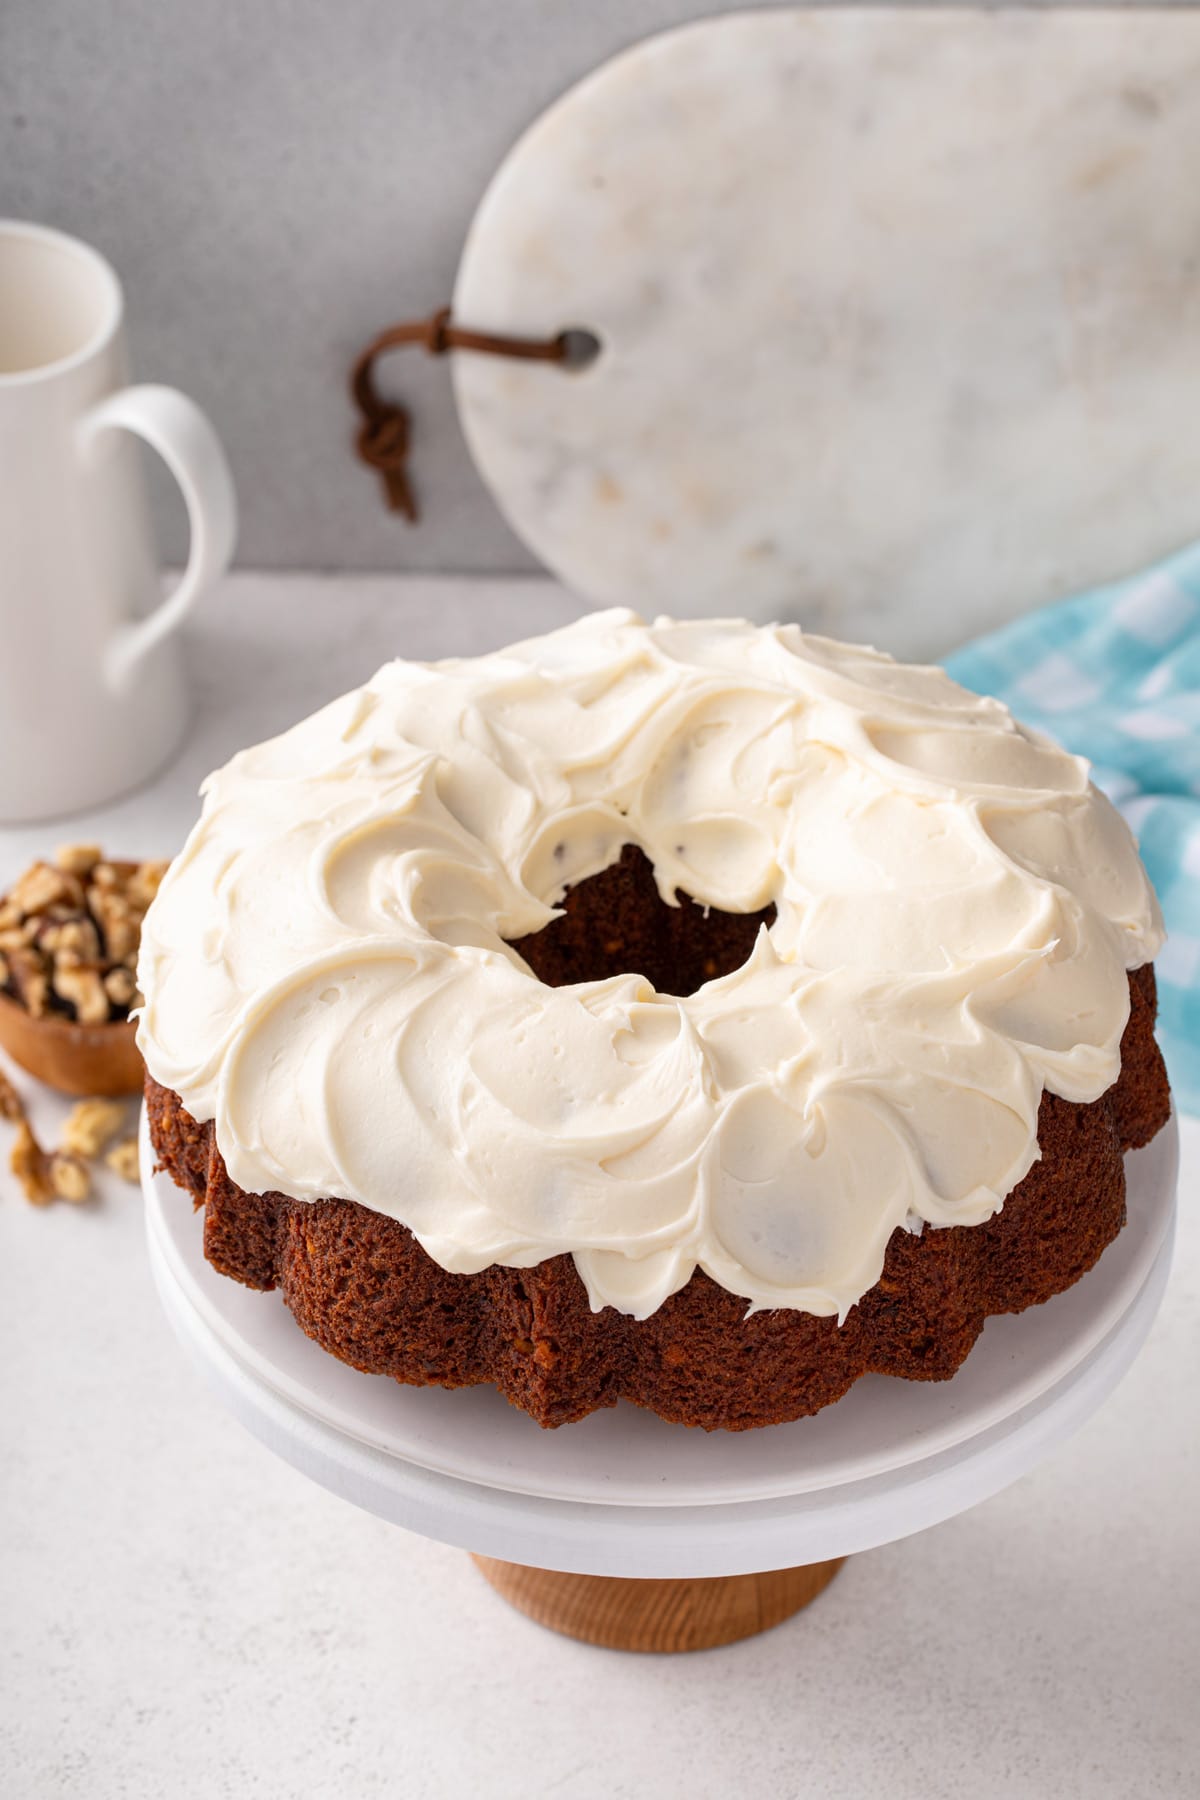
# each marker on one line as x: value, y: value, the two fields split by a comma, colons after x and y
x: 581, y: 347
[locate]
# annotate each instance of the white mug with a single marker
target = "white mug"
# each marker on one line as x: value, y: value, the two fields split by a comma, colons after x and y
x: 92, y: 692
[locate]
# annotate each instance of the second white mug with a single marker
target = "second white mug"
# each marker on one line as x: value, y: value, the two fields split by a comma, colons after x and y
x: 93, y: 697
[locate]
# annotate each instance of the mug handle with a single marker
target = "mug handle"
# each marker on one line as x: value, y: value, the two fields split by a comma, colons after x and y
x: 174, y: 426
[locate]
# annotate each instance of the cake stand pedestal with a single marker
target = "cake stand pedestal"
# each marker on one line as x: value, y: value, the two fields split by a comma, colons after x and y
x: 634, y: 1534
x: 624, y: 1613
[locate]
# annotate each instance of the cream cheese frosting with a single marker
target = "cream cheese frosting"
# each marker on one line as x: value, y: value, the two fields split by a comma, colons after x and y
x: 326, y: 973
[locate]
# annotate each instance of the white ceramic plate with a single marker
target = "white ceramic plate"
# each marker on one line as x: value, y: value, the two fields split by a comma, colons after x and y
x: 626, y: 1457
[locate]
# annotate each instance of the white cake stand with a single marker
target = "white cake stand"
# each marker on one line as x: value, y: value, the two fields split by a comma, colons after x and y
x: 630, y: 1532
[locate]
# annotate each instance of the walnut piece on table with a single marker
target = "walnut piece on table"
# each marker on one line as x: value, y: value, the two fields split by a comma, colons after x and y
x: 11, y: 1105
x: 70, y: 1177
x: 64, y: 1174
x: 123, y: 1160
x: 47, y: 1175
x: 92, y: 1125
x: 30, y: 1164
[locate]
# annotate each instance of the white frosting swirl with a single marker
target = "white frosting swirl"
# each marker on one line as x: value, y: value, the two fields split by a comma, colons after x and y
x: 325, y: 972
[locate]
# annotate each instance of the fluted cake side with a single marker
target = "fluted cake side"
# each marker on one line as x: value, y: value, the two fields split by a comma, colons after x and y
x: 358, y: 1283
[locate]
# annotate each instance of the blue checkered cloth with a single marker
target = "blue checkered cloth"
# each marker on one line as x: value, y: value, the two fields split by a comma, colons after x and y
x: 1115, y: 675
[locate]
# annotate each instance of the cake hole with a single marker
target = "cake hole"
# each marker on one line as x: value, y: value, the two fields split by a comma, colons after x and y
x: 616, y: 923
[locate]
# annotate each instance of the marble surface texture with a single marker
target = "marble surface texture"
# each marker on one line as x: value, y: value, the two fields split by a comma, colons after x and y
x: 274, y: 183
x: 897, y: 316
x: 184, y: 1615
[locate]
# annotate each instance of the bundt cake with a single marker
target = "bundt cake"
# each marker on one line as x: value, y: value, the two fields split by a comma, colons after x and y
x: 690, y: 1013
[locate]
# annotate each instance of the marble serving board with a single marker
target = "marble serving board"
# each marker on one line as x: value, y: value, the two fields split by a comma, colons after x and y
x: 898, y: 315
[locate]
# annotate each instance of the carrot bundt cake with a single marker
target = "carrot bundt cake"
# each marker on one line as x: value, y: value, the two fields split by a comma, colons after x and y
x: 690, y: 1013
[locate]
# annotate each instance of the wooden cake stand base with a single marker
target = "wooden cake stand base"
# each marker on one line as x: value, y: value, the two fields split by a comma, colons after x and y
x: 624, y: 1614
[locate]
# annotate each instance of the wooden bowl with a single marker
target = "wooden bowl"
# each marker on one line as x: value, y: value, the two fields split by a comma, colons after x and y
x: 80, y: 1060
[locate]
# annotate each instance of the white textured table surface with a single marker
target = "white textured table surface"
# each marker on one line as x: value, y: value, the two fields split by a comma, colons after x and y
x: 184, y: 1615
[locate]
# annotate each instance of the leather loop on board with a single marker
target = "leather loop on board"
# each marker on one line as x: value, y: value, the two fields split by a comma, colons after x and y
x: 384, y: 437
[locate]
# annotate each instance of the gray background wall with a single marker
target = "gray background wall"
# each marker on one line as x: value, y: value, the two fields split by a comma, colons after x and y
x: 275, y: 180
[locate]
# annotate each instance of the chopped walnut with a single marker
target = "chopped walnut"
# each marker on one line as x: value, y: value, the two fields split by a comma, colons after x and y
x: 63, y: 1174
x: 10, y: 1101
x: 72, y: 941
x: 123, y: 1160
x: 83, y: 989
x: 77, y: 859
x: 69, y: 1177
x: 70, y: 933
x: 91, y: 1125
x: 29, y: 981
x: 122, y: 927
x: 45, y: 1176
x: 121, y: 989
x: 144, y: 883
x: 40, y: 887
x: 31, y: 1166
